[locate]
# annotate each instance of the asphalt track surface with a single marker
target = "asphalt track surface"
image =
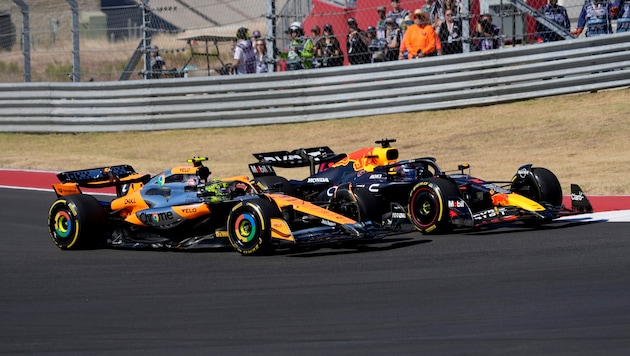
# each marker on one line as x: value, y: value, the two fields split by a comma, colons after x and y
x: 559, y: 290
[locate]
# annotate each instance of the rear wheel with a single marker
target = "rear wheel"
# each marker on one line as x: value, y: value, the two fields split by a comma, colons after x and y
x: 249, y: 226
x: 538, y: 184
x: 76, y: 222
x: 428, y: 205
x: 357, y: 204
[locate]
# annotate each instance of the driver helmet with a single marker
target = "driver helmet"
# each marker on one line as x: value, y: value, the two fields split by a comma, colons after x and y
x: 191, y: 182
x: 408, y: 171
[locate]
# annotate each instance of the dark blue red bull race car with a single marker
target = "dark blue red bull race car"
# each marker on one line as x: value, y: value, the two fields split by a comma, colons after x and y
x: 371, y: 184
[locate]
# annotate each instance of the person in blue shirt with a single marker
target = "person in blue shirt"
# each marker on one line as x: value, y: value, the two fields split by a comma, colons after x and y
x: 556, y: 13
x: 595, y: 17
x: 623, y: 16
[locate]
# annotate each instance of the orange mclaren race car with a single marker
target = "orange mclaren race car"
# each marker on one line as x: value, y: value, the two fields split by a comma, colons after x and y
x: 181, y: 208
x: 372, y: 185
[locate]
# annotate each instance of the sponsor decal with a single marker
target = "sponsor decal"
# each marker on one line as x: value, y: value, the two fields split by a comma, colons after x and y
x: 157, y: 218
x: 189, y: 210
x: 317, y: 180
x: 221, y: 234
x: 490, y: 213
x: 129, y: 201
x: 66, y: 191
x: 374, y: 188
x: 577, y: 197
x: 376, y: 176
x: 261, y: 169
x: 399, y: 216
x: 73, y: 208
x: 456, y: 204
x: 523, y: 172
x: 328, y: 222
x: 495, y: 189
x: 281, y: 158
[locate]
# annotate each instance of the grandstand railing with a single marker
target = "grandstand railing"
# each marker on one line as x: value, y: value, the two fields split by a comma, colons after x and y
x: 454, y: 81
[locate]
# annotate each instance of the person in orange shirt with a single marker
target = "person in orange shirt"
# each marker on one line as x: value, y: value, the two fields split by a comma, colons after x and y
x: 420, y: 39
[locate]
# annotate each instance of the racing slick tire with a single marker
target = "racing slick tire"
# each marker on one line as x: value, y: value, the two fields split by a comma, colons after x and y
x: 249, y: 226
x: 428, y: 205
x: 357, y: 204
x: 268, y: 185
x: 76, y: 222
x: 538, y: 184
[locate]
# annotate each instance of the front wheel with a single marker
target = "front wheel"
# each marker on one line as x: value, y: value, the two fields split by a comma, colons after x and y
x: 428, y: 205
x: 249, y: 226
x: 538, y: 184
x: 357, y: 204
x: 76, y: 221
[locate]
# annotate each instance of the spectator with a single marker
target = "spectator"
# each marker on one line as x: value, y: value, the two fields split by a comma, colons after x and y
x: 596, y: 17
x: 487, y: 34
x: 244, y: 55
x: 158, y: 66
x: 357, y: 44
x: 376, y: 46
x: 455, y: 6
x: 623, y: 16
x: 300, y: 54
x: 407, y: 22
x: 420, y: 39
x: 381, y: 28
x: 328, y: 49
x: 450, y: 33
x: 316, y: 35
x: 397, y: 13
x: 404, y: 25
x: 433, y: 8
x: 556, y: 13
x: 262, y: 61
x: 255, y: 35
x: 393, y: 38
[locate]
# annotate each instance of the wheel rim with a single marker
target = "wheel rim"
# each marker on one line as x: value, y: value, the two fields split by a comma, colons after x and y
x: 62, y: 224
x: 424, y: 208
x: 245, y: 228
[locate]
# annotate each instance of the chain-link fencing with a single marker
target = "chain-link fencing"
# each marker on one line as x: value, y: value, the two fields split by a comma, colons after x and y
x: 116, y: 36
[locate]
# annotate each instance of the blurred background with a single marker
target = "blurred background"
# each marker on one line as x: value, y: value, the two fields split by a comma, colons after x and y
x: 194, y: 36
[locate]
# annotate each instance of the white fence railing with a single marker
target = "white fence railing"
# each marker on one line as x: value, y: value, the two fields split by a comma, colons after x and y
x: 480, y: 78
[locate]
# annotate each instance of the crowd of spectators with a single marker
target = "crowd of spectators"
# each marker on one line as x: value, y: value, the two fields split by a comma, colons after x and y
x: 435, y: 29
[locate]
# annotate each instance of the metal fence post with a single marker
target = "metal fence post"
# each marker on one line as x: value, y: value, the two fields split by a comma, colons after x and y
x: 76, y: 60
x: 146, y: 38
x: 271, y: 33
x: 26, y: 39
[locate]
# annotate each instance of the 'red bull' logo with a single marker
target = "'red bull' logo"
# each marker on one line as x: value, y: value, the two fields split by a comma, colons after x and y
x: 360, y: 159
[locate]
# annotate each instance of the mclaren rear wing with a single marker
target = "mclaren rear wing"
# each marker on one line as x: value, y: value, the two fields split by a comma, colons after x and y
x: 112, y: 176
